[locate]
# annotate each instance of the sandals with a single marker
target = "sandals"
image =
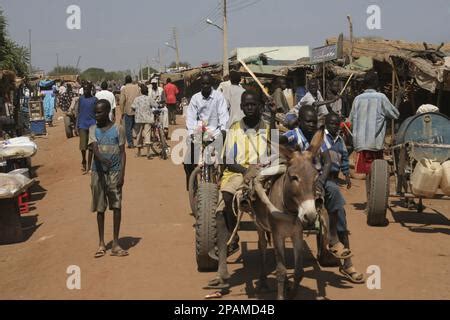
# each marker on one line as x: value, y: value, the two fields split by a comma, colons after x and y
x: 119, y: 253
x: 352, y: 275
x: 100, y: 253
x: 339, y: 251
x: 217, y: 283
x: 214, y: 295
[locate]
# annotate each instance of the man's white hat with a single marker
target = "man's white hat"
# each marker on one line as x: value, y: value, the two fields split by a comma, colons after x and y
x: 154, y: 80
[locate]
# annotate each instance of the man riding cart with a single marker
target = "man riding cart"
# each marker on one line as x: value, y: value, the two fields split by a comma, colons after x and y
x: 242, y: 148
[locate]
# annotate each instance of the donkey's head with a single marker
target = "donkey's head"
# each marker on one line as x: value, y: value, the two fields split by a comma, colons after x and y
x: 300, y: 179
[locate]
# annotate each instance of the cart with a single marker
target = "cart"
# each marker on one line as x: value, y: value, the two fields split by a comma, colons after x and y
x: 37, y: 120
x: 421, y: 136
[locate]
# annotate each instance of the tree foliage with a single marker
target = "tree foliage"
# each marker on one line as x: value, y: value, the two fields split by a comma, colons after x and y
x: 64, y: 70
x: 98, y: 74
x: 12, y: 56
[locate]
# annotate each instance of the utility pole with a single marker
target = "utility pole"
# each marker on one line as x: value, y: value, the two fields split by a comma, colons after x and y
x: 29, y: 50
x: 78, y: 62
x: 175, y: 37
x: 148, y: 70
x: 159, y: 60
x: 226, y: 68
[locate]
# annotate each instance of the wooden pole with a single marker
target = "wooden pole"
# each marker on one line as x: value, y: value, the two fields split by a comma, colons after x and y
x: 254, y: 77
x: 346, y: 84
x: 175, y: 36
x: 324, y: 92
x: 226, y: 67
x: 351, y: 37
x: 394, y: 74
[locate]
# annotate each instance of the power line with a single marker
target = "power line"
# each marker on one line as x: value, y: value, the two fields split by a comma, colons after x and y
x: 244, y: 5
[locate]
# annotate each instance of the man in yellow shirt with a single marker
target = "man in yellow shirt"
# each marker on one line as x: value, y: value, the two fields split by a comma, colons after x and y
x: 247, y: 143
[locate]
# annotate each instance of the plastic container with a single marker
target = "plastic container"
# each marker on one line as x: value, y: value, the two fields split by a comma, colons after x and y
x: 426, y: 178
x: 445, y: 182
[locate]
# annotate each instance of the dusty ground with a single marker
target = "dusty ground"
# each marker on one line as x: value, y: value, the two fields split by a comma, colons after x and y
x: 413, y: 252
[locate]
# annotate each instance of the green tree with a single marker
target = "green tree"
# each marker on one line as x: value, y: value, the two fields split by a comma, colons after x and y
x: 12, y: 56
x: 94, y: 74
x: 64, y: 70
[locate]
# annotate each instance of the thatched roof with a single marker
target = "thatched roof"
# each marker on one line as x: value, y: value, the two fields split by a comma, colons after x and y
x: 381, y: 49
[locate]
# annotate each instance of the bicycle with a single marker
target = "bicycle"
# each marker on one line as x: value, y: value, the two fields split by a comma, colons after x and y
x: 158, y: 139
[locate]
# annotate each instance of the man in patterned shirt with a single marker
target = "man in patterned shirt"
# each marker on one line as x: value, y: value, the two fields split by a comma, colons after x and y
x: 143, y: 107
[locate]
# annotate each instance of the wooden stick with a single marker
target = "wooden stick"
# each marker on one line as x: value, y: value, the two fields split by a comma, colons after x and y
x: 254, y: 77
x: 346, y: 84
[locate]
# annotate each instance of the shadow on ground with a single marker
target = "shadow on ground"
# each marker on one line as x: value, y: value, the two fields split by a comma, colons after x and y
x: 424, y: 222
x: 126, y: 243
x: 29, y: 226
x: 249, y: 275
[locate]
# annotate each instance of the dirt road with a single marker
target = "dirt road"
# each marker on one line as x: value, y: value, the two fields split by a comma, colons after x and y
x: 413, y: 252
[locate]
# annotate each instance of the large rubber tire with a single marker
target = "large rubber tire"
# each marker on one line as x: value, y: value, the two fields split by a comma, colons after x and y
x: 193, y: 188
x: 68, y: 127
x: 378, y: 193
x: 205, y: 227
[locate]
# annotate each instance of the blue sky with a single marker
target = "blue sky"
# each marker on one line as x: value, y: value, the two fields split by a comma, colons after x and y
x: 118, y: 35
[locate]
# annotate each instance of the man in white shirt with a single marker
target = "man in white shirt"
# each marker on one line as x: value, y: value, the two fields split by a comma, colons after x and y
x: 157, y: 94
x: 232, y: 95
x: 209, y: 108
x: 314, y: 98
x: 105, y: 94
x: 224, y: 84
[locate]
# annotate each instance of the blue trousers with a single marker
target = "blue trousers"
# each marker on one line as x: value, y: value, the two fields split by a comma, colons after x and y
x: 334, y: 202
x: 129, y: 125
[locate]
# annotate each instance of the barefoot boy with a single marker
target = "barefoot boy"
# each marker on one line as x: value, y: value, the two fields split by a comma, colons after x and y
x: 108, y: 171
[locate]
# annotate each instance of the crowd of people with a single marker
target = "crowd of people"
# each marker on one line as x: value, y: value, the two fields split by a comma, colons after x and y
x: 230, y: 113
x: 235, y: 114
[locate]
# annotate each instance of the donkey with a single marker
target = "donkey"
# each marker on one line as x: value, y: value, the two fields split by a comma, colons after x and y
x: 290, y: 205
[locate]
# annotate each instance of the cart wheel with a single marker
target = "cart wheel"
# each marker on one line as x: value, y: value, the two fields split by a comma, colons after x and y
x: 205, y: 226
x: 377, y: 185
x: 193, y: 186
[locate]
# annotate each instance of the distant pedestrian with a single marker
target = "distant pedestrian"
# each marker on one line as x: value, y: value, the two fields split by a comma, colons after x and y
x: 105, y: 94
x: 143, y: 107
x: 314, y: 98
x: 85, y: 119
x: 171, y: 91
x: 279, y: 85
x: 66, y: 98
x: 107, y: 140
x: 368, y: 118
x: 232, y: 95
x: 127, y: 95
x: 157, y: 94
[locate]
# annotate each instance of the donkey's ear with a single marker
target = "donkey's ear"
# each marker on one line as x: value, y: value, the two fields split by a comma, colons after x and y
x: 286, y: 152
x: 317, y: 142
